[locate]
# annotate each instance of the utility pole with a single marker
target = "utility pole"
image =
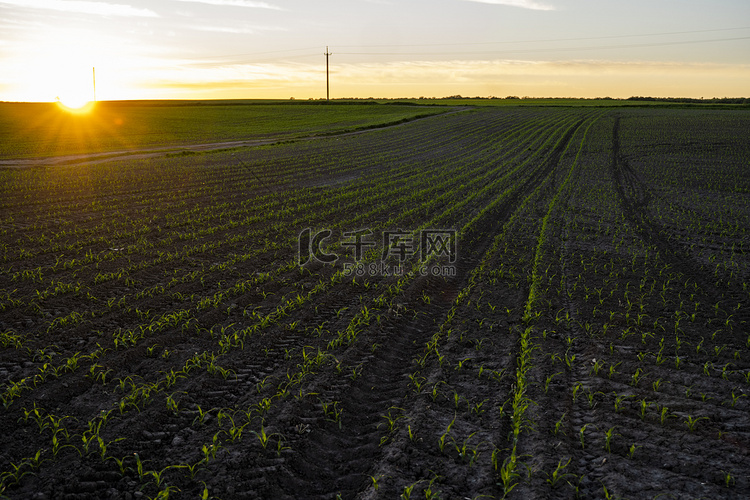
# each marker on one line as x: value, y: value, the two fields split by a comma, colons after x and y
x: 93, y: 70
x: 328, y: 96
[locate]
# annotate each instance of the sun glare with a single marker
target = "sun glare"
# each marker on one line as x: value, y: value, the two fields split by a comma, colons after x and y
x: 77, y: 106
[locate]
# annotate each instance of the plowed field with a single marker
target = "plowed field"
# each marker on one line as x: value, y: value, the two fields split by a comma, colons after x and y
x: 521, y: 302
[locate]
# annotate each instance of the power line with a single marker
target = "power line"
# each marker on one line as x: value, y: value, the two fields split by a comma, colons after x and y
x: 557, y: 49
x: 251, y: 57
x: 543, y: 40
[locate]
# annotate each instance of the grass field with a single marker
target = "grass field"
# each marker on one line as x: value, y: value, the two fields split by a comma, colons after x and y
x: 512, y: 302
x: 46, y: 129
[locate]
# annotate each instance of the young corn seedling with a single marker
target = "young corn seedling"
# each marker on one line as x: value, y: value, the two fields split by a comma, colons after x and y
x: 463, y: 448
x: 36, y: 461
x: 596, y: 366
x: 418, y: 381
x: 559, y: 425
x: 104, y: 445
x: 13, y: 478
x: 406, y: 495
x: 390, y: 423
x: 591, y: 398
x: 139, y: 466
x: 581, y: 432
x: 201, y: 416
x: 477, y: 408
x: 569, y: 359
x: 441, y: 439
x: 457, y: 399
x: 664, y: 415
x: 508, y: 475
x: 120, y: 464
x: 460, y: 364
x: 332, y: 412
x: 643, y: 407
x: 692, y: 422
x: 608, y: 435
x: 735, y: 399
x: 57, y: 445
x: 36, y: 415
x: 558, y: 474
x: 619, y: 402
x: 636, y: 377
x: 172, y: 404
x: 728, y: 479
x: 158, y: 476
x: 576, y: 388
x: 613, y: 369
x: 376, y: 481
x: 265, y: 438
x: 656, y: 384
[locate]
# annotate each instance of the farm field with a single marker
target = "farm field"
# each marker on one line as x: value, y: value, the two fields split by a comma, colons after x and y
x: 46, y: 129
x: 518, y: 302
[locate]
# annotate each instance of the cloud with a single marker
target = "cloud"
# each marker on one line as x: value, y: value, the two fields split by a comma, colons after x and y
x: 244, y: 30
x: 84, y: 7
x: 524, y: 4
x: 236, y: 3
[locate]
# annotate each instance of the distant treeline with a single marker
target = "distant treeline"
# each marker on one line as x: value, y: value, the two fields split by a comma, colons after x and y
x: 681, y: 100
x: 714, y: 100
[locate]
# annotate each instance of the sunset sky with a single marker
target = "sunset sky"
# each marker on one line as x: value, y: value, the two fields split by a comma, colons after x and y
x: 152, y: 49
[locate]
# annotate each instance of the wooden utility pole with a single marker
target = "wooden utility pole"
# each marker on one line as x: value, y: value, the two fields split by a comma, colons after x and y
x: 328, y: 95
x: 93, y: 70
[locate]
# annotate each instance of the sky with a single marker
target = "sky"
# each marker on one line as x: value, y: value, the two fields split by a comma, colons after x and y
x: 233, y: 49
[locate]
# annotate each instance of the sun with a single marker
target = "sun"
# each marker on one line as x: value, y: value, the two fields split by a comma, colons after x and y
x: 75, y: 93
x: 75, y: 104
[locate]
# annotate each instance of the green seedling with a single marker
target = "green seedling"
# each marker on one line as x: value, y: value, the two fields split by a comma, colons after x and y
x: 332, y: 412
x: 441, y: 440
x: 692, y: 422
x: 608, y: 435
x: 508, y: 475
x: 643, y: 407
x: 619, y: 402
x: 265, y: 438
x: 376, y: 481
x: 558, y: 474
x: 581, y: 432
x: 664, y: 415
x: 559, y: 425
x: 728, y: 479
x: 735, y: 399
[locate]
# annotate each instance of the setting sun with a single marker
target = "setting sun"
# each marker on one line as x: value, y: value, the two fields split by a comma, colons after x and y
x: 75, y: 105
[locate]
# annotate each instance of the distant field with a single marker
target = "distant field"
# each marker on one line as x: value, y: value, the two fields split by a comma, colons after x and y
x: 595, y: 103
x: 44, y: 129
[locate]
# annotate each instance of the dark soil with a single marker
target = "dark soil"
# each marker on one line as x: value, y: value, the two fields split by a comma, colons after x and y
x: 159, y: 338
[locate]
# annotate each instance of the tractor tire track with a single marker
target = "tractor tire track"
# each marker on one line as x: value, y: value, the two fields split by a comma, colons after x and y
x: 634, y: 198
x: 332, y: 460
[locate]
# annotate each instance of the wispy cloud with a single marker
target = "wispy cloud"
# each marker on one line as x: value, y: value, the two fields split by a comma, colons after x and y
x: 83, y: 7
x: 582, y: 78
x: 524, y: 4
x: 244, y: 30
x: 236, y: 3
